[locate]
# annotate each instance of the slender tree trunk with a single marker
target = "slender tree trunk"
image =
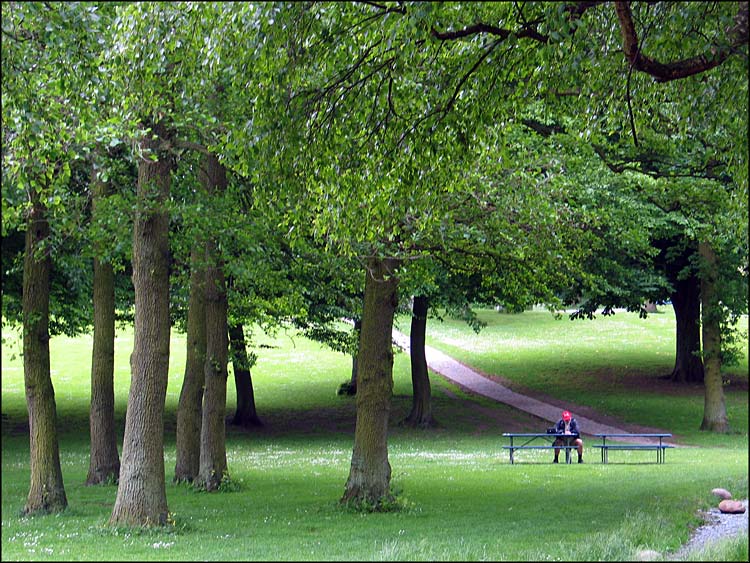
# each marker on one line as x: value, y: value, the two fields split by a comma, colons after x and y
x: 421, y: 404
x: 141, y: 493
x: 46, y: 491
x: 355, y: 362
x: 714, y: 408
x: 213, y: 457
x: 104, y: 460
x: 688, y: 366
x: 351, y: 387
x: 188, y: 438
x: 370, y: 472
x: 245, y: 415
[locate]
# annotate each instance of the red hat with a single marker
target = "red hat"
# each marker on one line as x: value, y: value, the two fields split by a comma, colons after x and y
x: 566, y: 415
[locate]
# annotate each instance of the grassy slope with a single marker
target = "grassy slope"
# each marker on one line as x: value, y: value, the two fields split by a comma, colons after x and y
x: 464, y: 501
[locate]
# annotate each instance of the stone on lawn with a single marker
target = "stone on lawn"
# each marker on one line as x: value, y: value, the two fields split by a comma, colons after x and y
x: 648, y: 555
x: 722, y: 493
x: 731, y: 507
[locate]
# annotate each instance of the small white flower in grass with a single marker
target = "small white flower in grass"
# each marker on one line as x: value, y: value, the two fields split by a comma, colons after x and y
x: 162, y: 544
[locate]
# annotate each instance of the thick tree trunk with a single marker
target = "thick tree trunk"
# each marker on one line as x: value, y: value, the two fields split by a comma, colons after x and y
x: 46, y: 491
x: 245, y: 415
x: 688, y: 366
x: 714, y: 408
x: 188, y: 437
x: 213, y: 456
x: 370, y: 472
x: 421, y: 403
x: 104, y: 460
x: 141, y: 493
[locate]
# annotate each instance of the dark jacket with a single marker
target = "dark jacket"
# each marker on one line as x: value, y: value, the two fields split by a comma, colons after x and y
x: 560, y: 426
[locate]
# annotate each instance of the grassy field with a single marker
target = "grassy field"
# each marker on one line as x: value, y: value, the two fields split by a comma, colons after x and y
x: 461, y: 498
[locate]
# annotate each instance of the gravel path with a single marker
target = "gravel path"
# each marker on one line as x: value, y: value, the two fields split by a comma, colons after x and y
x: 717, y: 525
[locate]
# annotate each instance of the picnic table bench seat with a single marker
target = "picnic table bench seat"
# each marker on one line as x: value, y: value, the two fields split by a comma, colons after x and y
x: 529, y: 437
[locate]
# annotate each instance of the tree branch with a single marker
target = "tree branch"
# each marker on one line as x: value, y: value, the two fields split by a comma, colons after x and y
x: 528, y: 29
x: 478, y: 28
x: 643, y: 162
x: 401, y: 9
x: 189, y: 145
x: 664, y: 72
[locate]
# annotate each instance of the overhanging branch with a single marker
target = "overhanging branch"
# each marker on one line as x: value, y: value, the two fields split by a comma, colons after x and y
x: 664, y: 72
x: 643, y: 162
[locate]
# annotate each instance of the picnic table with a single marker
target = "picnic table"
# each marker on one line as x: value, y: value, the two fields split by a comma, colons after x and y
x: 531, y: 437
x: 660, y: 448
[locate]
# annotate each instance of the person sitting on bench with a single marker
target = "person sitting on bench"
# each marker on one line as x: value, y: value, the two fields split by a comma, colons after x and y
x: 568, y: 425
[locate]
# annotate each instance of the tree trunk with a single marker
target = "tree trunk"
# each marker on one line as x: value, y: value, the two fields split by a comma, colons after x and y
x: 188, y: 437
x: 350, y: 388
x: 141, y: 493
x: 370, y: 472
x: 213, y: 456
x: 688, y: 366
x: 714, y: 408
x: 421, y: 404
x: 46, y: 491
x: 650, y: 307
x: 355, y: 363
x: 104, y: 460
x: 245, y: 415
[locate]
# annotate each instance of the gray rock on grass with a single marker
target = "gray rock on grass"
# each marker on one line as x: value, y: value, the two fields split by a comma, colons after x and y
x: 722, y: 493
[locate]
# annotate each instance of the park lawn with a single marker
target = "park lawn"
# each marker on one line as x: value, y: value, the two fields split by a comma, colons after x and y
x: 460, y: 498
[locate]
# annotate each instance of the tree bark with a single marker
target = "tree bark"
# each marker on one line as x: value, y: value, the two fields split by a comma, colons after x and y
x: 714, y: 407
x: 245, y: 415
x: 46, y: 491
x: 370, y: 472
x: 188, y: 437
x: 421, y: 404
x: 213, y: 457
x: 104, y: 460
x: 141, y: 493
x: 688, y: 366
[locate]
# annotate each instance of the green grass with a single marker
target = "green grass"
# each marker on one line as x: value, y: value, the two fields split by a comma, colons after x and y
x: 462, y: 499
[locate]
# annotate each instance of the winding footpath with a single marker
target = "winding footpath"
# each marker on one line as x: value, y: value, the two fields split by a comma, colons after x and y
x: 466, y: 377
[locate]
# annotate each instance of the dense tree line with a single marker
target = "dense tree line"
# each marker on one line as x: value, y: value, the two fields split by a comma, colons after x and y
x: 303, y: 163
